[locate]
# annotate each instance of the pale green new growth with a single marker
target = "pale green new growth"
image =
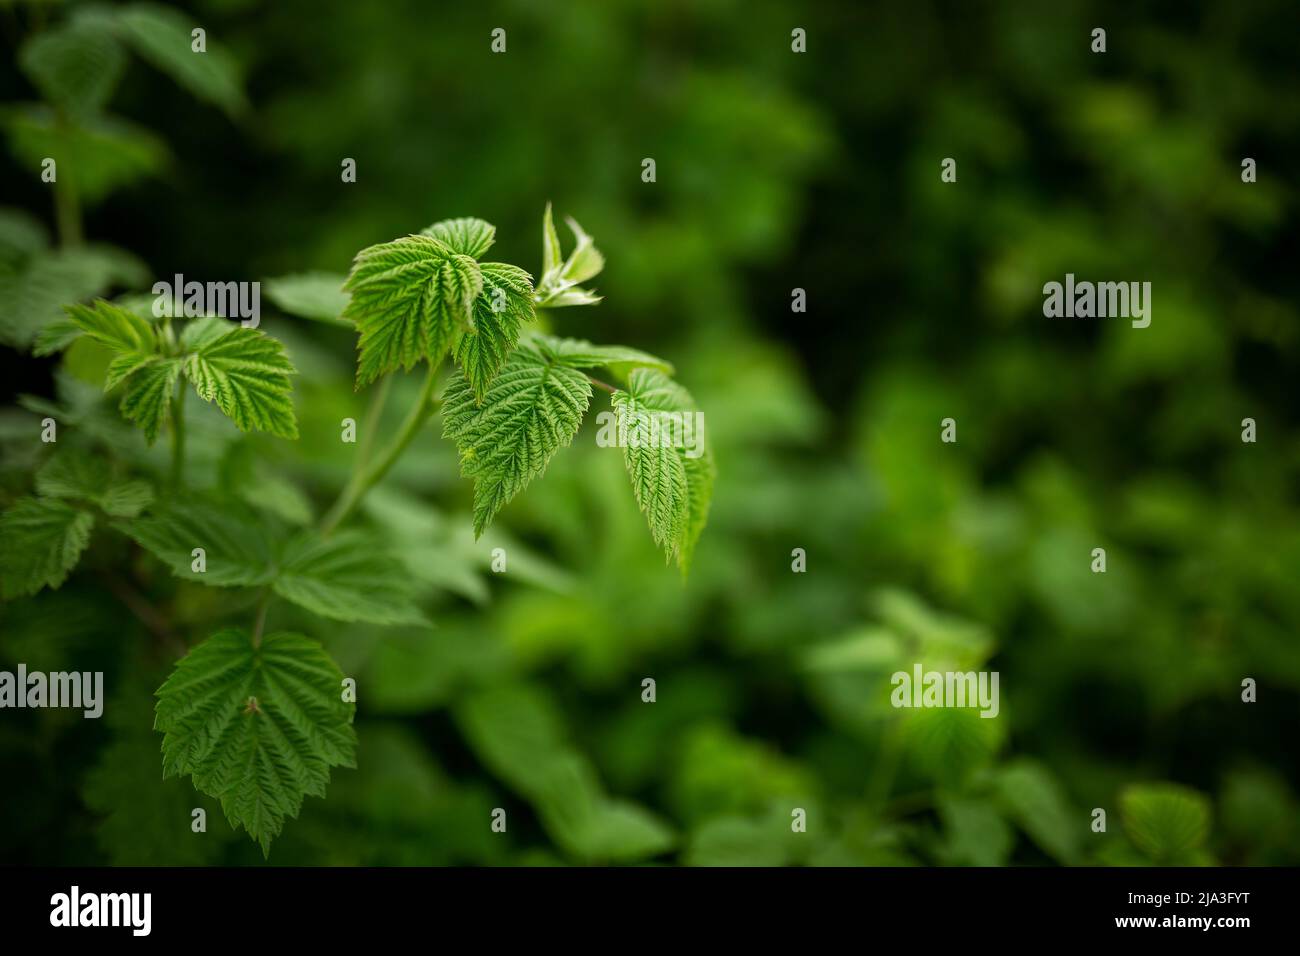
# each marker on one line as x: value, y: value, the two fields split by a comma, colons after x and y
x: 258, y: 727
x: 559, y: 285
x: 532, y: 408
x: 40, y: 542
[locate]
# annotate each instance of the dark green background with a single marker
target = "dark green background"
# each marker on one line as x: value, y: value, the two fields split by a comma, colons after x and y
x: 775, y: 171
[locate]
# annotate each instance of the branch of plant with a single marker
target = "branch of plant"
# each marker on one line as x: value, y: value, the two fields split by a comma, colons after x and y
x: 143, y: 611
x: 367, y: 477
x: 259, y: 624
x: 67, y: 204
x: 599, y: 384
x: 178, y: 436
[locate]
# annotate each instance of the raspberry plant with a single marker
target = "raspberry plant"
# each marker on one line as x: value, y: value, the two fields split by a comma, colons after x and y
x: 258, y: 719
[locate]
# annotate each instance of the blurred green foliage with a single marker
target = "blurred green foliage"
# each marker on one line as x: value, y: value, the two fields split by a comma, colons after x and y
x: 775, y: 170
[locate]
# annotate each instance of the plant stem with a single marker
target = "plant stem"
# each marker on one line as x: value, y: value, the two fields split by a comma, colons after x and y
x: 259, y: 624
x: 366, y: 478
x: 374, y: 415
x: 599, y: 384
x: 178, y: 435
x: 67, y: 205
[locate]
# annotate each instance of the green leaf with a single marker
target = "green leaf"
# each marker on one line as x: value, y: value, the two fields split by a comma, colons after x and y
x: 161, y: 36
x: 559, y: 283
x: 257, y: 727
x: 128, y: 795
x: 21, y: 235
x: 124, y: 332
x: 670, y: 464
x: 84, y: 478
x: 310, y: 295
x: 238, y: 545
x: 1034, y: 801
x: 350, y: 576
x: 517, y: 733
x: 32, y: 300
x: 148, y: 395
x: 585, y: 261
x: 1165, y: 821
x: 245, y: 372
x: 42, y: 541
x: 578, y: 353
x: 978, y: 835
x: 470, y: 237
x: 96, y: 154
x: 531, y: 409
x: 347, y: 577
x: 657, y: 470
x: 551, y: 254
x: 75, y: 66
x: 411, y: 299
x: 505, y: 303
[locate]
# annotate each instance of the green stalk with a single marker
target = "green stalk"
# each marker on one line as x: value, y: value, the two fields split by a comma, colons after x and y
x: 67, y: 204
x: 366, y: 478
x: 178, y: 435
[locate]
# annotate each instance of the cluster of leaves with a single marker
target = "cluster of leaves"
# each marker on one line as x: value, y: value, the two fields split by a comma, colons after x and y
x: 518, y: 395
x: 254, y: 720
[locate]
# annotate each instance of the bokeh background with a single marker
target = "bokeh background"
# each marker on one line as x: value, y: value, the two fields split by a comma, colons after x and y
x: 775, y: 170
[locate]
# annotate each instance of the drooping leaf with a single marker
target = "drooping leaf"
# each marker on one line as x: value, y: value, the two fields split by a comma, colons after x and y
x: 657, y: 470
x: 668, y: 459
x: 468, y: 236
x: 244, y: 372
x: 41, y: 540
x: 238, y: 546
x: 162, y: 36
x: 578, y: 353
x: 411, y: 300
x: 500, y: 310
x: 83, y: 477
x: 532, y: 408
x: 310, y: 295
x: 347, y: 577
x: 257, y: 727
